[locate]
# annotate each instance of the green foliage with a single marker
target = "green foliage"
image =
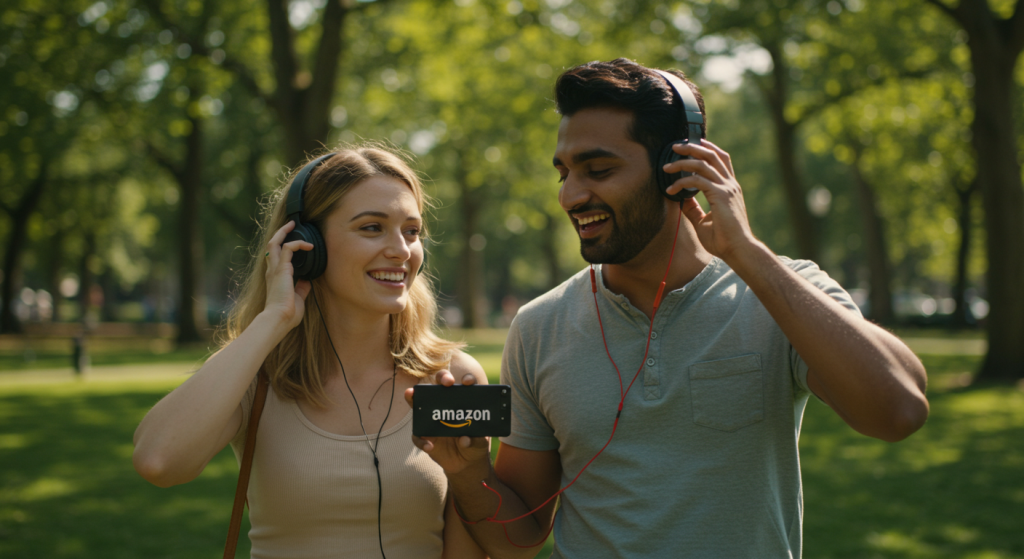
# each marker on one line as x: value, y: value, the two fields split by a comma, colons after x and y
x: 110, y: 90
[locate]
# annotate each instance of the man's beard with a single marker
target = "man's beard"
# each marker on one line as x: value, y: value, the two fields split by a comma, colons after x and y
x: 642, y: 217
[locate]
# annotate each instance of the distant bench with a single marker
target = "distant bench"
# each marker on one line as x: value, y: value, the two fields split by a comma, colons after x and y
x: 59, y: 336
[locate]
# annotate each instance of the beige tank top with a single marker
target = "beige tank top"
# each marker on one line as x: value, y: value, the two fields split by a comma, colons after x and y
x: 313, y: 494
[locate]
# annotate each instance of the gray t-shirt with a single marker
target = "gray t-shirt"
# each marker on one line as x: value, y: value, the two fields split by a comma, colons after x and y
x: 704, y: 462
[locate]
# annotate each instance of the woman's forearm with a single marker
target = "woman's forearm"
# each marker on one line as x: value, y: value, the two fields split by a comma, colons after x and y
x: 193, y: 423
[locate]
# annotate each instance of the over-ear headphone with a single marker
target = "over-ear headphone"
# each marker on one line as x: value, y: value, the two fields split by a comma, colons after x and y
x: 692, y: 119
x: 308, y: 264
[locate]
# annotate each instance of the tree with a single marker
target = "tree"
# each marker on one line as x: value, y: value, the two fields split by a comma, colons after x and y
x: 995, y: 41
x: 47, y: 71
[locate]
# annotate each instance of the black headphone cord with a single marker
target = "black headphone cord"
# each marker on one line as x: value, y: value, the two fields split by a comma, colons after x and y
x: 376, y: 443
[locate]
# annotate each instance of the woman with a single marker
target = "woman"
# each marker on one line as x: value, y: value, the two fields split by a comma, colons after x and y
x: 338, y: 362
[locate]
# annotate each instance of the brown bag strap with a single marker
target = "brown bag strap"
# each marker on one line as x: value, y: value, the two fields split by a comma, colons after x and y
x: 246, y: 467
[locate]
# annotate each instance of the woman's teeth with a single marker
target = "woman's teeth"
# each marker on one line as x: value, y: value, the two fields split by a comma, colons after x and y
x: 592, y: 219
x: 388, y: 276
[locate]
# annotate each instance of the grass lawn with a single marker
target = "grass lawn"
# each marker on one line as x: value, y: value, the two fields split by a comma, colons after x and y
x: 955, y: 489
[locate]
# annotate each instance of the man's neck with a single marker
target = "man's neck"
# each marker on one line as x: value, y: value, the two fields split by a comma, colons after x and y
x: 638, y: 279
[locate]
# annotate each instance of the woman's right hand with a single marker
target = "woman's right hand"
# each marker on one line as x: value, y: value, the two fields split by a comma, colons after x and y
x: 457, y: 454
x: 285, y: 297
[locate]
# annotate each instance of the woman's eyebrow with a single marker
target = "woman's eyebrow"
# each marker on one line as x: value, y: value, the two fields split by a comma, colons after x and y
x: 382, y: 215
x: 373, y: 213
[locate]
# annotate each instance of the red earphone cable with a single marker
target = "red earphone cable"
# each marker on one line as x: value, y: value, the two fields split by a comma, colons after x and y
x: 622, y: 399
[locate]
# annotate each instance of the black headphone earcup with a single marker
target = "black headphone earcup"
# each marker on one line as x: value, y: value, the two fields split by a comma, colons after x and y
x: 308, y: 264
x: 665, y: 180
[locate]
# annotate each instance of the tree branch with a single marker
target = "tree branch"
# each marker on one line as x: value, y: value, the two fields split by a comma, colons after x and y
x: 282, y: 54
x: 241, y: 71
x: 951, y: 12
x: 161, y: 158
x: 851, y: 91
x: 325, y: 65
x: 1015, y: 26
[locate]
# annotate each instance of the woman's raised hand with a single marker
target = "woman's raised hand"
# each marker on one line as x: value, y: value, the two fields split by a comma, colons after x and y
x: 285, y: 296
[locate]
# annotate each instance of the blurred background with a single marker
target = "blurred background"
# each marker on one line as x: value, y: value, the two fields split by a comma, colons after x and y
x: 139, y: 138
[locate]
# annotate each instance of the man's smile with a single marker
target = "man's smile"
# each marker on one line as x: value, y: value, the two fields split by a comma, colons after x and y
x: 589, y: 224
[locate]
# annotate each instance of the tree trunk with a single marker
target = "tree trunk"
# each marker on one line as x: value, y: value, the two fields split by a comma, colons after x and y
x: 53, y: 274
x: 302, y: 98
x: 85, y: 281
x: 15, y: 248
x: 550, y: 248
x: 192, y: 304
x: 880, y: 295
x: 471, y: 269
x: 961, y: 316
x: 805, y: 227
x: 994, y: 54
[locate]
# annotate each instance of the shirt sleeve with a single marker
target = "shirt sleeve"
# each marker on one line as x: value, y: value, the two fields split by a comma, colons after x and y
x: 812, y: 273
x: 530, y: 428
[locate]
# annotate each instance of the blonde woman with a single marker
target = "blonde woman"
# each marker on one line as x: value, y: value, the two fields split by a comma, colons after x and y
x: 335, y: 472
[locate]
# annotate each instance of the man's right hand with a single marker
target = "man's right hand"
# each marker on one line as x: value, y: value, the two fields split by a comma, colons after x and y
x: 455, y: 455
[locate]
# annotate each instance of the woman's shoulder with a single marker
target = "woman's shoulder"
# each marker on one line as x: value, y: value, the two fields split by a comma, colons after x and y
x: 463, y: 364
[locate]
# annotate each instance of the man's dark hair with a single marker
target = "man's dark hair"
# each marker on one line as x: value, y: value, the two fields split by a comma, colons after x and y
x: 657, y: 114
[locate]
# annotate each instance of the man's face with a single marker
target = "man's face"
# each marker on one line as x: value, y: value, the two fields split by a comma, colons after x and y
x: 607, y: 185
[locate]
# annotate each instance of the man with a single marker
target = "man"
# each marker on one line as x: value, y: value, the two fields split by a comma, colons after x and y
x: 704, y: 459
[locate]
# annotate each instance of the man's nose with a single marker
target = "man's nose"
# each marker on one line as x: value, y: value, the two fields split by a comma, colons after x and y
x: 571, y: 195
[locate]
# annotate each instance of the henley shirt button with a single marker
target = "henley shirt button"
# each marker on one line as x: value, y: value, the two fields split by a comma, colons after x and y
x: 654, y: 335
x: 650, y: 361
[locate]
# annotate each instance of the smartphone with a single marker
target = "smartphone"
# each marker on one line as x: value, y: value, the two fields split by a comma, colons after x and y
x: 478, y: 410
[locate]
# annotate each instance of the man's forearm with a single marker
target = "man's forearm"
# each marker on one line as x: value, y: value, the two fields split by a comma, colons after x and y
x: 871, y: 379
x: 475, y: 503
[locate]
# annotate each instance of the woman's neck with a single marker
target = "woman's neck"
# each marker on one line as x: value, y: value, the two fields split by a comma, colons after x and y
x: 362, y: 341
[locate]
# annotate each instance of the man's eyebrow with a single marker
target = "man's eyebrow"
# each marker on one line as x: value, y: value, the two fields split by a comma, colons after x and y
x: 586, y: 155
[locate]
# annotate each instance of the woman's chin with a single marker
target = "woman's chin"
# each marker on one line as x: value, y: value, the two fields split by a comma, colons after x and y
x: 392, y: 306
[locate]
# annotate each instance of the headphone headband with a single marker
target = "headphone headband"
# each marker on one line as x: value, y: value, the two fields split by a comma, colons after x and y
x: 691, y: 110
x: 298, y: 187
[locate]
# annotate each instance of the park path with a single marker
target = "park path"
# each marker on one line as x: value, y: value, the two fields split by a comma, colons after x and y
x: 181, y: 369
x: 154, y: 372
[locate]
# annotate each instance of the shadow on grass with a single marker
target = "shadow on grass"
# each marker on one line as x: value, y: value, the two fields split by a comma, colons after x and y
x: 953, y: 489
x: 68, y: 489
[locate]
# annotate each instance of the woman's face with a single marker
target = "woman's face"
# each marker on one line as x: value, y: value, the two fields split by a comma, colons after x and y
x: 373, y: 246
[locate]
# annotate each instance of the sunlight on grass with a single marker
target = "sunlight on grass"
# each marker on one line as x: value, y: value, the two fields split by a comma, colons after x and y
x: 895, y: 542
x: 12, y: 441
x: 46, y: 488
x: 491, y: 362
x: 952, y: 490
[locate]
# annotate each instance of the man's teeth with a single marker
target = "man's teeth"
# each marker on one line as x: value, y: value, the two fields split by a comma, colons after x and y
x: 593, y: 218
x: 388, y: 276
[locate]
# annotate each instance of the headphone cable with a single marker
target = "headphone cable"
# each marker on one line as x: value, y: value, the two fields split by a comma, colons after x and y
x: 622, y: 400
x: 376, y: 443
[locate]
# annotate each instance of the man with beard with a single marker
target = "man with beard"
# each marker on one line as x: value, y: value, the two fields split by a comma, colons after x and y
x: 724, y: 339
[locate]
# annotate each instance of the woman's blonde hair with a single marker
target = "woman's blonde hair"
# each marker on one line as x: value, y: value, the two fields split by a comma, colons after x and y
x: 296, y: 366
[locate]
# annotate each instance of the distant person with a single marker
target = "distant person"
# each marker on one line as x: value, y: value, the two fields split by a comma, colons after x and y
x: 704, y: 460
x: 339, y: 351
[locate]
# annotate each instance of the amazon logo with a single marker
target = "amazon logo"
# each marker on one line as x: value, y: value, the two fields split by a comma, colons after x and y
x: 460, y: 418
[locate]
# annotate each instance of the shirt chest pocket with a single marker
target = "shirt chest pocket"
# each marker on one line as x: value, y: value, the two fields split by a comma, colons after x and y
x: 727, y: 394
